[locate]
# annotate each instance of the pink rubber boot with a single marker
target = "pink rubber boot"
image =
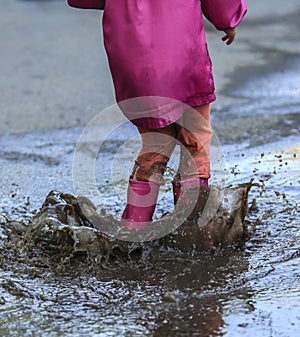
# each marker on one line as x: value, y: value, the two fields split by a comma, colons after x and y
x: 181, y: 188
x: 190, y: 196
x: 141, y: 202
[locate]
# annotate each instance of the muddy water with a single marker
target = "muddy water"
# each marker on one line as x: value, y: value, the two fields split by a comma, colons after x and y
x: 251, y: 291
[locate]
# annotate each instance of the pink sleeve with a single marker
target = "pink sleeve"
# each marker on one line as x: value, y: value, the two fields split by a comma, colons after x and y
x: 224, y: 14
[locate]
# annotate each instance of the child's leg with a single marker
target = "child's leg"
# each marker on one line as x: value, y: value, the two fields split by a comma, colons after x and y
x: 147, y: 176
x: 195, y: 139
x: 157, y: 148
x: 190, y: 187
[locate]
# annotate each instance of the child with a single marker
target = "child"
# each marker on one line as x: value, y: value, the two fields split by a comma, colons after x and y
x: 157, y: 48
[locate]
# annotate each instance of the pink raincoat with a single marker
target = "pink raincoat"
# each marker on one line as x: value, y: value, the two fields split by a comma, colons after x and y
x: 158, y: 48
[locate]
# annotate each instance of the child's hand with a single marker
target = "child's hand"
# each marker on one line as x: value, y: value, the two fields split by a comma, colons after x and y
x: 230, y: 35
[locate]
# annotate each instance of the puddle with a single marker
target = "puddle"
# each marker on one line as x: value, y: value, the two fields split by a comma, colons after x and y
x: 233, y: 292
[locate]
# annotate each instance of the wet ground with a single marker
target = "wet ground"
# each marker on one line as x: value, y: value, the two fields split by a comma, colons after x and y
x: 249, y: 291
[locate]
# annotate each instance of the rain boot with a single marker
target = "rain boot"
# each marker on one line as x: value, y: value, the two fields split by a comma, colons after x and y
x: 190, y: 197
x: 141, y: 202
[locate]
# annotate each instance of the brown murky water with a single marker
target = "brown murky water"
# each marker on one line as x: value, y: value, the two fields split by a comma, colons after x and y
x: 161, y: 292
